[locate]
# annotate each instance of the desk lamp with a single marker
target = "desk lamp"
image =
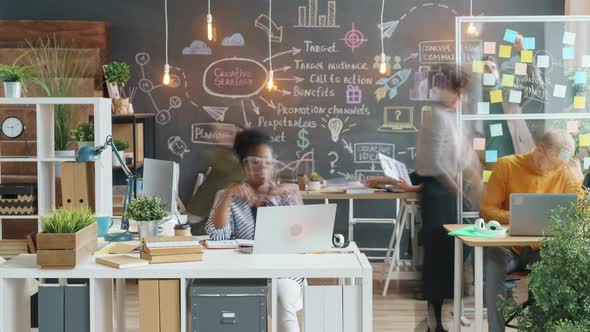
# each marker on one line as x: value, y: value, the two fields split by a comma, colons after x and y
x: 89, y: 154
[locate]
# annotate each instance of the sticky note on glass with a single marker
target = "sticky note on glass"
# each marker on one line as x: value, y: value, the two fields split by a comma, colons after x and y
x: 520, y: 68
x: 483, y: 108
x: 515, y: 96
x: 559, y: 91
x: 489, y: 47
x: 528, y: 43
x: 479, y: 143
x: 486, y: 176
x: 508, y: 80
x: 526, y: 56
x: 491, y: 156
x: 477, y: 66
x: 569, y: 38
x: 505, y: 51
x: 579, y: 102
x: 586, y: 61
x: 586, y: 162
x: 543, y: 61
x: 567, y: 53
x: 496, y: 130
x: 489, y: 79
x: 584, y: 139
x: 581, y: 77
x: 496, y: 96
x: 572, y: 127
x: 510, y: 35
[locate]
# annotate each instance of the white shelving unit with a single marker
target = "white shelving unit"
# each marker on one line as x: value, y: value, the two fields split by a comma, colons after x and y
x: 46, y: 158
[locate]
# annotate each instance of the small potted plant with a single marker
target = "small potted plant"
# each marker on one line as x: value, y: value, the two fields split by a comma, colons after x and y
x: 84, y: 134
x: 67, y: 236
x: 148, y: 213
x: 117, y: 74
x: 13, y: 77
x: 139, y: 184
x: 121, y: 145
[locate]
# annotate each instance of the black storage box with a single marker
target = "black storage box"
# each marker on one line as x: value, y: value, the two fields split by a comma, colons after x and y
x: 18, y: 199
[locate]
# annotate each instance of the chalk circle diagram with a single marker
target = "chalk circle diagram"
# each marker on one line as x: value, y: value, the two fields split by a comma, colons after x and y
x: 354, y: 38
x: 177, y: 146
x: 175, y: 102
x: 142, y: 58
x: 163, y: 117
x: 247, y: 94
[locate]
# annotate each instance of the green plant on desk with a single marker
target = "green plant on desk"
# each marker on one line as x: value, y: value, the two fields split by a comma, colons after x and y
x: 68, y: 220
x: 560, y: 281
x: 145, y: 208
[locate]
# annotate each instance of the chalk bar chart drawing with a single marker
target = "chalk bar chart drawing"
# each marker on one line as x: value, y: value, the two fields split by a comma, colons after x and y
x: 307, y: 17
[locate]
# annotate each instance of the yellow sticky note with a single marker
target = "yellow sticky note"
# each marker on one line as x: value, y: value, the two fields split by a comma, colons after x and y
x: 496, y: 96
x: 526, y: 56
x: 580, y: 102
x: 585, y: 140
x: 486, y: 176
x: 505, y: 51
x: 477, y: 66
x: 507, y: 80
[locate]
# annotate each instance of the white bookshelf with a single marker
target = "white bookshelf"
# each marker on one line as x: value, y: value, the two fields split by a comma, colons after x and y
x: 46, y: 158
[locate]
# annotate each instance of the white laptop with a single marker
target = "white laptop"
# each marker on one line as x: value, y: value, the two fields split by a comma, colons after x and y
x: 530, y: 213
x: 294, y: 229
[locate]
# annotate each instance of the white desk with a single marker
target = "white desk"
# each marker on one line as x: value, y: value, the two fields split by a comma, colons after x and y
x: 15, y: 306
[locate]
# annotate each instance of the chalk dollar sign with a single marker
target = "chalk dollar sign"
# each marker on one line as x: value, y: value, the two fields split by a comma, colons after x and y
x: 303, y: 141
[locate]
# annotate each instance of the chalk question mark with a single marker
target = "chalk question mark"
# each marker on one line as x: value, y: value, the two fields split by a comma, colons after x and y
x: 333, y: 163
x: 397, y: 114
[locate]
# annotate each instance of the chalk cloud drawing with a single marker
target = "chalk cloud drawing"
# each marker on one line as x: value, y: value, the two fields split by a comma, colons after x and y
x: 197, y: 47
x: 234, y: 40
x: 216, y: 112
x: 177, y: 146
x: 276, y: 34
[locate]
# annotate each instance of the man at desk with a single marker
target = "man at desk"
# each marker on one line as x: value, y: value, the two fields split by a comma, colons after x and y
x: 549, y: 168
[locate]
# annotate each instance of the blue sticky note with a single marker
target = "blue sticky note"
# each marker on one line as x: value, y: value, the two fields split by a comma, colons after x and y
x: 491, y: 156
x: 568, y: 53
x: 510, y: 35
x: 581, y: 77
x: 528, y: 43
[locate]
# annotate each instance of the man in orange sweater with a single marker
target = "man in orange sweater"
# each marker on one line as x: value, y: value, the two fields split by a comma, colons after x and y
x: 549, y: 168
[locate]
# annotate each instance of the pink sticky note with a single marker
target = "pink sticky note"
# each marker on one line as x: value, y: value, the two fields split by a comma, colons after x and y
x: 572, y: 126
x: 520, y: 68
x: 489, y: 47
x: 479, y: 143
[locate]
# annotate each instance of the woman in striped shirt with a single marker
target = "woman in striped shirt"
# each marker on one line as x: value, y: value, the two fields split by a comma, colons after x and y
x: 234, y: 211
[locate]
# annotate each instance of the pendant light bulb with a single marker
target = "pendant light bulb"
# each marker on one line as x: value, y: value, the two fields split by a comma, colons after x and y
x: 209, y: 27
x: 382, y: 65
x: 166, y: 77
x: 472, y: 29
x: 270, y: 84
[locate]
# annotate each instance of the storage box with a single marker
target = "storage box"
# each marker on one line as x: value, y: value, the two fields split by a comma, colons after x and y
x: 228, y: 305
x: 18, y: 199
x: 159, y: 305
x: 66, y: 250
x: 77, y: 183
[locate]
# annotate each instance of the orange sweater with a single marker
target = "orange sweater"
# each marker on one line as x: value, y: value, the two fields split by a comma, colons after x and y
x: 518, y: 174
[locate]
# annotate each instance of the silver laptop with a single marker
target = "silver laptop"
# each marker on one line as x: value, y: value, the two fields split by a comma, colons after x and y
x: 530, y: 213
x: 294, y: 229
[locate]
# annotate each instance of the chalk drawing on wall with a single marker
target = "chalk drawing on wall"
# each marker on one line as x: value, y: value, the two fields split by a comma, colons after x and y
x: 175, y: 102
x: 388, y: 28
x: 354, y: 38
x: 255, y: 107
x: 333, y: 162
x: 354, y: 94
x: 398, y: 119
x: 216, y: 112
x: 337, y: 127
x: 307, y: 16
x: 292, y: 51
x: 303, y: 164
x: 347, y: 146
x: 389, y: 85
x: 247, y: 123
x: 269, y: 103
x: 177, y: 146
x: 302, y: 140
x: 276, y: 34
x: 214, y: 133
x: 235, y: 40
x: 163, y: 117
x: 216, y: 83
x: 197, y: 47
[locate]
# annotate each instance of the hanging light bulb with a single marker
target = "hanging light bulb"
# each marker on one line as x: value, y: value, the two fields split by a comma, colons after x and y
x: 210, y: 32
x: 472, y: 29
x: 270, y: 84
x: 166, y: 77
x: 382, y: 65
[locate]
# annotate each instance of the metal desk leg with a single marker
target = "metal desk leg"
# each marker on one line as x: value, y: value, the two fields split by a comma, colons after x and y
x: 273, y: 304
x: 458, y: 278
x: 478, y: 289
x: 367, y: 295
x: 120, y: 305
x: 350, y: 220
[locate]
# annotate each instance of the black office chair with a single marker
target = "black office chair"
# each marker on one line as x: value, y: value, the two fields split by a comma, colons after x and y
x: 515, y: 276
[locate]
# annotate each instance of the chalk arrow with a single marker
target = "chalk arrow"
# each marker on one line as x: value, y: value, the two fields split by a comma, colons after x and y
x: 276, y: 35
x: 285, y: 68
x: 255, y: 108
x: 412, y: 56
x: 285, y: 92
x: 292, y: 51
x: 270, y: 104
x: 246, y: 122
x: 347, y: 146
x: 294, y: 78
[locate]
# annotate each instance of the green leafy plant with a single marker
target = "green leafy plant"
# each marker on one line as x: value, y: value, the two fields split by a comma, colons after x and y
x: 120, y: 144
x: 84, y: 132
x: 117, y: 73
x: 14, y: 73
x: 145, y: 208
x: 68, y: 220
x: 560, y: 281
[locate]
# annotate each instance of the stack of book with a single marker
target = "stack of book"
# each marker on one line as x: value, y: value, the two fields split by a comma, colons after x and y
x: 12, y: 248
x: 171, y: 249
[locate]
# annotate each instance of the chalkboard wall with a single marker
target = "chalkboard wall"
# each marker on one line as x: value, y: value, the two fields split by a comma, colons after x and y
x: 331, y: 105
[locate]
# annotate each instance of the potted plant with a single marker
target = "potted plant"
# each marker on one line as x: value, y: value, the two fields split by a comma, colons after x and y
x: 139, y: 184
x: 84, y: 134
x: 67, y: 236
x: 121, y: 145
x: 13, y: 77
x: 147, y: 212
x: 560, y: 281
x: 117, y: 74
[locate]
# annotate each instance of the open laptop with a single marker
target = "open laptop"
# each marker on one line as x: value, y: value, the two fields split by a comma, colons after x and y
x: 530, y: 213
x: 294, y: 229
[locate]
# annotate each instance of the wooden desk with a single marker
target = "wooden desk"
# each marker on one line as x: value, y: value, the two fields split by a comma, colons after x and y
x: 478, y: 244
x: 309, y: 195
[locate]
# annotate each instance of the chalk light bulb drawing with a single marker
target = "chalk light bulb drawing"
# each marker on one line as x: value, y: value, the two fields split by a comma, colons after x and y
x: 382, y: 65
x: 166, y: 77
x: 335, y: 125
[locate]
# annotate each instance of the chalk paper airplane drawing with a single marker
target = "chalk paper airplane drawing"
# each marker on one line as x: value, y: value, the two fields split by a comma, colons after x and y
x: 388, y: 28
x: 276, y: 35
x: 216, y: 112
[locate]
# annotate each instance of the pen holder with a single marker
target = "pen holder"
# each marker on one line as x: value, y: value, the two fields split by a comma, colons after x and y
x: 182, y: 230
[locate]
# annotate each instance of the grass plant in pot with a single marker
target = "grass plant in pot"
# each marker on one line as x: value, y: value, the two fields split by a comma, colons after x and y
x: 67, y: 236
x: 148, y: 213
x: 83, y: 135
x: 117, y: 74
x: 121, y: 146
x: 14, y: 78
